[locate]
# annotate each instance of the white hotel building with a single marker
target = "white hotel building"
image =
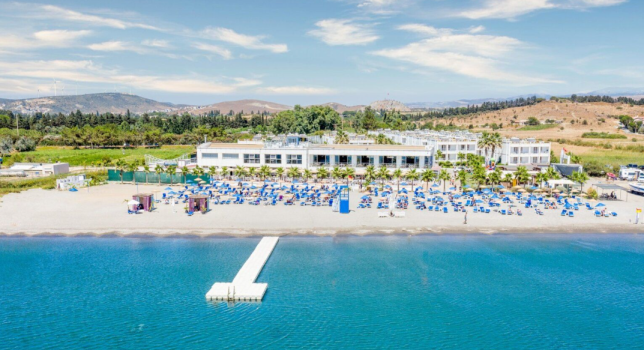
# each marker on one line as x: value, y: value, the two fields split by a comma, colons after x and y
x: 302, y: 154
x: 513, y: 152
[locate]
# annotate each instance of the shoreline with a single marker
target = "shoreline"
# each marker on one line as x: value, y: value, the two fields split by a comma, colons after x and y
x: 349, y: 232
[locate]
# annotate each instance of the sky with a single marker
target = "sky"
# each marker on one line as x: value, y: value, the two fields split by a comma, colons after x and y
x: 316, y: 51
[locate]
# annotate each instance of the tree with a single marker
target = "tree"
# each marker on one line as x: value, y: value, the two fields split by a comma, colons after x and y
x: 25, y: 144
x: 541, y: 178
x: 347, y: 173
x: 479, y: 174
x: 552, y: 174
x: 240, y: 172
x: 293, y: 173
x: 462, y: 178
x: 369, y: 121
x: 397, y: 174
x: 444, y: 176
x: 120, y: 165
x: 383, y: 174
x: 580, y: 177
x: 212, y: 171
x: 521, y: 175
x: 6, y: 146
x: 184, y: 173
x: 495, y: 176
x: 427, y: 176
x: 439, y: 154
x: 341, y: 138
x: 412, y: 175
x: 158, y: 170
x: 336, y: 173
x: 146, y: 170
x: 370, y: 174
x: 533, y: 121
x: 322, y: 173
x: 251, y: 172
x: 132, y: 167
x: 279, y: 172
x: 224, y: 171
x: 264, y: 172
x: 171, y: 170
x: 307, y: 174
x: 508, y: 178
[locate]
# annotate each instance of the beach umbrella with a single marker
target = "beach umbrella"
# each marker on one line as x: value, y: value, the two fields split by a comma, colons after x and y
x: 599, y: 205
x: 522, y: 190
x: 556, y: 191
x: 403, y: 183
x: 372, y: 183
x: 469, y: 189
x: 168, y: 189
x: 478, y: 201
x: 435, y: 185
x: 500, y: 186
x: 364, y: 197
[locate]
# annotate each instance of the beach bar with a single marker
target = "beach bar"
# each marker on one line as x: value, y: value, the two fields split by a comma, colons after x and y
x: 146, y: 201
x: 198, y: 202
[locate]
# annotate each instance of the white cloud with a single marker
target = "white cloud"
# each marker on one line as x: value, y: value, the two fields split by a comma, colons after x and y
x: 245, y: 41
x: 383, y: 7
x: 343, y: 32
x: 59, y: 13
x: 42, y: 39
x: 115, y: 45
x: 34, y: 72
x: 514, y: 8
x: 161, y: 44
x: 295, y: 90
x: 477, y: 29
x: 424, y: 29
x: 217, y: 50
x: 476, y: 56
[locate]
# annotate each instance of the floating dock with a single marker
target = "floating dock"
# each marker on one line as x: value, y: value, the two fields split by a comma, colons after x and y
x: 243, y: 287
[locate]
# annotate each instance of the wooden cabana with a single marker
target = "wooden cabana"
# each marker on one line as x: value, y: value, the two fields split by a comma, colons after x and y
x: 198, y: 202
x: 146, y: 200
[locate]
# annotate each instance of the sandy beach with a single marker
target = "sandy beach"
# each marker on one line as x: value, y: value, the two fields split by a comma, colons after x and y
x: 102, y: 210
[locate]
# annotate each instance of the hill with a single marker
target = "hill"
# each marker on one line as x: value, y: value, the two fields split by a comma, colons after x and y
x: 91, y: 103
x: 247, y: 106
x: 389, y: 105
x: 340, y: 108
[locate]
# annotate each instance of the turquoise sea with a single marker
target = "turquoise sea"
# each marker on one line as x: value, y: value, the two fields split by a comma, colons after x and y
x: 456, y: 291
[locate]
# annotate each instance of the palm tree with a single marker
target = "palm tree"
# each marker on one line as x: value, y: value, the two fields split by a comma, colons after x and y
x: 212, y: 171
x: 132, y: 167
x: 397, y: 174
x: 159, y: 170
x: 184, y: 173
x: 461, y: 157
x: 462, y: 178
x: 347, y: 173
x: 307, y: 174
x: 480, y: 175
x: 495, y: 176
x: 541, y: 178
x: 427, y: 176
x: 383, y: 174
x: 580, y: 177
x: 444, y: 176
x: 322, y: 173
x: 293, y: 173
x: 508, y: 178
x: 171, y: 170
x: 146, y: 169
x: 224, y: 172
x: 264, y: 172
x: 279, y: 172
x: 341, y: 138
x: 521, y: 175
x: 552, y: 174
x: 336, y: 173
x: 251, y: 172
x: 240, y: 171
x: 494, y: 142
x: 412, y: 175
x: 370, y: 174
x: 439, y: 154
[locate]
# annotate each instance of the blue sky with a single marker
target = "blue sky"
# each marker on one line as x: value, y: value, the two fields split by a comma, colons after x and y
x: 305, y: 52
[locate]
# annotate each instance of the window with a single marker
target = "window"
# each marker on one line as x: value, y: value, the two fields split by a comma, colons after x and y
x: 230, y: 156
x: 410, y: 162
x: 343, y: 160
x: 210, y: 155
x: 321, y: 159
x: 251, y: 158
x: 388, y: 161
x: 364, y: 161
x: 428, y: 162
x: 293, y: 159
x: 273, y: 158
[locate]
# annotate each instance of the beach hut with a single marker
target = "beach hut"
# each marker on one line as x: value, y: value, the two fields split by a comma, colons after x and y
x: 146, y: 201
x: 198, y: 202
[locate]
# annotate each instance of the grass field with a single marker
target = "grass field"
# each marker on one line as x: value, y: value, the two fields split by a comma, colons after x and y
x: 537, y: 127
x: 46, y: 183
x: 613, y: 158
x: 87, y: 157
x: 602, y: 135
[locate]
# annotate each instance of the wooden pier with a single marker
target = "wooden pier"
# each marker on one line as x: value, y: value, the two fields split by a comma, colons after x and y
x: 243, y: 287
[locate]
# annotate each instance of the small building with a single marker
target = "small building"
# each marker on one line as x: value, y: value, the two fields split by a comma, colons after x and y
x: 36, y: 169
x: 71, y: 182
x: 198, y: 202
x: 146, y: 201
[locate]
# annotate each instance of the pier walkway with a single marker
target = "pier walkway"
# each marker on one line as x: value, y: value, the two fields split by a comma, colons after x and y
x: 243, y: 287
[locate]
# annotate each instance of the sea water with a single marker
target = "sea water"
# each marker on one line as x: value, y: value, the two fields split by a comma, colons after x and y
x: 457, y: 291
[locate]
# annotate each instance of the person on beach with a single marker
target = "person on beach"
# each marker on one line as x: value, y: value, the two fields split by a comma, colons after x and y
x: 465, y: 222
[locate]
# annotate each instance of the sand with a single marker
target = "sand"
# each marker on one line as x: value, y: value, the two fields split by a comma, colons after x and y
x: 102, y: 211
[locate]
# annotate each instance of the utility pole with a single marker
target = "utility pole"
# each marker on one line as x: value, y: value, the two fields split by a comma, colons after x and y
x: 17, y: 125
